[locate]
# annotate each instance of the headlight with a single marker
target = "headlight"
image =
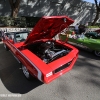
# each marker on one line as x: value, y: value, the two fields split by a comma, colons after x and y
x: 49, y: 74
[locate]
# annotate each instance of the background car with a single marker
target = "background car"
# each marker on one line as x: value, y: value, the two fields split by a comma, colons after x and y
x: 93, y: 35
x: 98, y: 30
x: 89, y: 40
x: 38, y: 53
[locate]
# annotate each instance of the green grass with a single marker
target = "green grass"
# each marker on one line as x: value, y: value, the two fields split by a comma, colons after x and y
x: 93, y: 26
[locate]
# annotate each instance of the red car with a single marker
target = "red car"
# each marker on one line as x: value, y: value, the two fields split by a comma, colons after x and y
x: 39, y: 54
x: 98, y: 30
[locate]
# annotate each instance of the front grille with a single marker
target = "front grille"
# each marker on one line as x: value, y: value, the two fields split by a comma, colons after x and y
x: 63, y: 67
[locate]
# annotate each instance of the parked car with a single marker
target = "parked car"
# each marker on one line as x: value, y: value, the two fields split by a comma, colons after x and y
x: 98, y: 30
x: 88, y: 40
x: 93, y: 35
x: 39, y: 54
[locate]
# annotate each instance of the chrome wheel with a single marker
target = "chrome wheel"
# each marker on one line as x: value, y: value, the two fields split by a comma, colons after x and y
x: 97, y: 53
x: 25, y: 71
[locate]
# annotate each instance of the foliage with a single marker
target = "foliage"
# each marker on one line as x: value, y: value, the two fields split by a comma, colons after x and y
x: 19, y: 21
x: 31, y: 21
x: 93, y: 26
x: 97, y: 3
x: 15, y: 22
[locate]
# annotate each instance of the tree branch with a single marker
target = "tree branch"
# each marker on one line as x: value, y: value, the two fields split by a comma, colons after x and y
x: 17, y: 2
x: 96, y: 3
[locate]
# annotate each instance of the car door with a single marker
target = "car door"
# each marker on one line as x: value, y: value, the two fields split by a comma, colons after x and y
x: 93, y: 44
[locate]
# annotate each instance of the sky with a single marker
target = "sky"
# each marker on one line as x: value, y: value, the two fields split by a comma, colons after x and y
x: 92, y: 1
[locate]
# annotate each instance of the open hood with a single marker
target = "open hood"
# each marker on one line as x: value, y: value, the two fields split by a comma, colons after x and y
x: 47, y: 27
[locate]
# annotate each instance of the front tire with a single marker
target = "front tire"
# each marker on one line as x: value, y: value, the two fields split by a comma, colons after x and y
x: 26, y: 72
x: 97, y: 53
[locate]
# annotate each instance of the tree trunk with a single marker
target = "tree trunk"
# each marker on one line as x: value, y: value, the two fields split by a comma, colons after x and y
x: 97, y: 13
x: 96, y: 17
x: 14, y: 12
x: 14, y: 7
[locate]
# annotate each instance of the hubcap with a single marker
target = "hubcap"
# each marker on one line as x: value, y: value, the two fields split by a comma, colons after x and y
x: 25, y: 71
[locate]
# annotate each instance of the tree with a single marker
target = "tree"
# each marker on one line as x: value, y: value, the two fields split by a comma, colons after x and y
x: 97, y: 11
x: 14, y: 7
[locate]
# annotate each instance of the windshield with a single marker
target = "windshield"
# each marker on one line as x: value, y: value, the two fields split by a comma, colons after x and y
x: 22, y: 36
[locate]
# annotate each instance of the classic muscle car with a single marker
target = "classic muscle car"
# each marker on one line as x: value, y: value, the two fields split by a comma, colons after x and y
x: 39, y: 54
x: 87, y: 40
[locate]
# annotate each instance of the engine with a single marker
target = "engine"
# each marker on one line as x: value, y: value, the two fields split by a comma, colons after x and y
x: 49, y: 51
x: 52, y: 52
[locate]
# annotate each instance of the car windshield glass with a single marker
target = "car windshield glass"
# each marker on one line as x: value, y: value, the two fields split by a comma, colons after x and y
x: 20, y: 37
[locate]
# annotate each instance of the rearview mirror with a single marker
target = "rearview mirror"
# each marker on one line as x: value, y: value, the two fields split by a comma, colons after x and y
x: 17, y: 36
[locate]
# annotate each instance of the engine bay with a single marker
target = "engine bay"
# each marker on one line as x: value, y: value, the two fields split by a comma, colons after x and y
x: 48, y: 51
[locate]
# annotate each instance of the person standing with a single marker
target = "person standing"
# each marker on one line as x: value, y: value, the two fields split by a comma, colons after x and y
x: 76, y: 28
x: 81, y: 28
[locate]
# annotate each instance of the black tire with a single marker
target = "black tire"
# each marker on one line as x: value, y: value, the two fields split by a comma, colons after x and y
x: 97, y: 53
x: 26, y: 72
x: 5, y: 46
